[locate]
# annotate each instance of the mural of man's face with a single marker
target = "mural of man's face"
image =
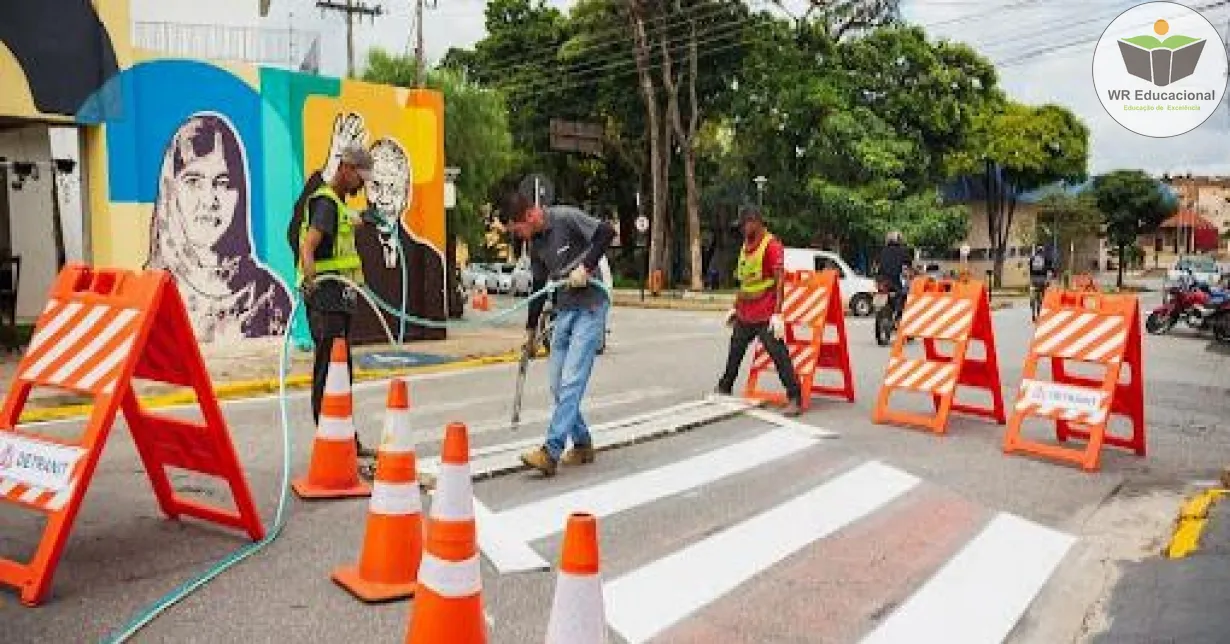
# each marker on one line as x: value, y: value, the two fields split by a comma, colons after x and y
x: 205, y: 198
x: 389, y: 189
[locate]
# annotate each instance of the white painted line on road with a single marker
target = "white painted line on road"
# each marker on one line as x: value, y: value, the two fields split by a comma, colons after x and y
x: 502, y: 547
x: 981, y: 593
x: 541, y: 518
x: 546, y: 517
x: 433, y: 463
x: 782, y: 421
x: 648, y: 600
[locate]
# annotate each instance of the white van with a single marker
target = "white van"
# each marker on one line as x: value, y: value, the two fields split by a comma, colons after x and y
x: 857, y: 291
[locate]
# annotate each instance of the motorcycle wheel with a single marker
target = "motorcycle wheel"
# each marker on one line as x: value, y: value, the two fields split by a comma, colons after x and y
x: 1158, y: 323
x: 1221, y: 329
x: 884, y: 327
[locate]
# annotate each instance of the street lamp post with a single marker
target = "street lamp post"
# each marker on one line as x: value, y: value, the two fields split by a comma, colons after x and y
x: 760, y: 181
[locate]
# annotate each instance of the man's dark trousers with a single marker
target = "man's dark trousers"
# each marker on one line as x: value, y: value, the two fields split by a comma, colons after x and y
x: 740, y: 338
x: 326, y: 325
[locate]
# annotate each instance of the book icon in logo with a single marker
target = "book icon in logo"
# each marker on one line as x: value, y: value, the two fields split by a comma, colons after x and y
x: 1161, y: 62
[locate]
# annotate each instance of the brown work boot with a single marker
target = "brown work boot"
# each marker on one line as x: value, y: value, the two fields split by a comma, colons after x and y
x: 792, y: 409
x: 579, y: 455
x: 539, y: 459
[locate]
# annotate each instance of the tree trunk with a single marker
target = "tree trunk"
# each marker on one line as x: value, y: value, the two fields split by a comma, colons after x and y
x: 1122, y: 261
x: 657, y: 201
x: 686, y: 139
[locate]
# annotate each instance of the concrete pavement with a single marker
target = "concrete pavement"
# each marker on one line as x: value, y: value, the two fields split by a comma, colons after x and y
x: 932, y: 498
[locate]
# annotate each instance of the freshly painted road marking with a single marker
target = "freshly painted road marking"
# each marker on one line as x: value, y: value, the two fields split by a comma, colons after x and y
x: 981, y: 593
x: 538, y: 519
x: 647, y: 601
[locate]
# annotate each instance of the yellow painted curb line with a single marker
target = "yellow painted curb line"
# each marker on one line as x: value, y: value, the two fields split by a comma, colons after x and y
x: 248, y: 388
x: 1193, y: 517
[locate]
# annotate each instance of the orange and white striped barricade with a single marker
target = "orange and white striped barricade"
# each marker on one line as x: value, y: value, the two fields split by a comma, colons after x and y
x: 942, y: 311
x: 1093, y: 329
x: 811, y: 306
x: 102, y: 328
x: 1084, y: 282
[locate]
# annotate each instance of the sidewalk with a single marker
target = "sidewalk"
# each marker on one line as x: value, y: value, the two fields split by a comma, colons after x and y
x: 251, y: 368
x: 1177, y: 600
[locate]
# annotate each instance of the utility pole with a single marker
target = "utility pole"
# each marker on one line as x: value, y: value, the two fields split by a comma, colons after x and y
x: 418, y: 49
x: 351, y: 8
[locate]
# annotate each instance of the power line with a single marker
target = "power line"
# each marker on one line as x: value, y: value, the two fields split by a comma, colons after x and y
x: 350, y: 8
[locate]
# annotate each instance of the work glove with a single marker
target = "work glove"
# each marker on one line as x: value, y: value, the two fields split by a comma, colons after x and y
x: 578, y: 278
x: 778, y: 326
x: 731, y: 317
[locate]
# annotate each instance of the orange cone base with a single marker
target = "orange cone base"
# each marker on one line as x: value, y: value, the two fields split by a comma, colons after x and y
x: 306, y: 490
x: 371, y: 591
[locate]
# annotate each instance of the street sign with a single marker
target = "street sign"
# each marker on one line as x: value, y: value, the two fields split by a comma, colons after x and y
x: 538, y: 188
x: 642, y: 224
x: 573, y: 136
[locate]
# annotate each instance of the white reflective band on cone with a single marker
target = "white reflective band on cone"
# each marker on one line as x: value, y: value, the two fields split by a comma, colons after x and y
x: 397, y: 435
x: 577, y: 615
x: 454, y: 495
x: 335, y: 428
x: 337, y: 381
x: 396, y: 498
x: 451, y: 579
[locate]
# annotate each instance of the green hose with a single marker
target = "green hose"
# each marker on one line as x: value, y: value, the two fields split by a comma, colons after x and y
x: 187, y: 588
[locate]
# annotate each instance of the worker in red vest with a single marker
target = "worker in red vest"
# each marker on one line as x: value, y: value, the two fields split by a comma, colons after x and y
x: 758, y: 308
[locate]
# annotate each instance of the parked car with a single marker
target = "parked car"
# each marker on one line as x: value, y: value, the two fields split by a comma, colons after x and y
x: 1203, y: 269
x: 857, y: 291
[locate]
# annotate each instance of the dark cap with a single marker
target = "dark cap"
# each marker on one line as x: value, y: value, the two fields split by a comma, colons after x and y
x: 745, y: 215
x: 358, y: 157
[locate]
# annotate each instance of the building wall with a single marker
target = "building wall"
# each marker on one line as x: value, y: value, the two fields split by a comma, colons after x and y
x: 30, y: 226
x: 203, y: 170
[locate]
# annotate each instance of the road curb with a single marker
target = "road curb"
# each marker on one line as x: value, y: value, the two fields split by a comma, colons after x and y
x: 240, y: 389
x: 1193, y: 517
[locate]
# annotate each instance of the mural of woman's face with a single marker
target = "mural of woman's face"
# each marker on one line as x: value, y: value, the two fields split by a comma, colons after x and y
x: 205, y: 197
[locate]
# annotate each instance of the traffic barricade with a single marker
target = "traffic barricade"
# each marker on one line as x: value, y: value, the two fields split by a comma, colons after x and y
x: 1098, y: 331
x: 811, y: 307
x: 956, y: 312
x: 100, y: 330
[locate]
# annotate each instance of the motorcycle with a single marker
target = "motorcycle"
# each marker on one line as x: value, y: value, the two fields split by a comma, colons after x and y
x: 889, y: 309
x: 1219, y: 322
x: 1189, y: 301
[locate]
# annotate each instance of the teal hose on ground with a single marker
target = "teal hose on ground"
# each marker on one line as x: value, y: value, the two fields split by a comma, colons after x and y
x: 148, y: 615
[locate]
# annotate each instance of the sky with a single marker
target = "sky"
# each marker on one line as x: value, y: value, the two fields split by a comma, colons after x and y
x: 1005, y: 31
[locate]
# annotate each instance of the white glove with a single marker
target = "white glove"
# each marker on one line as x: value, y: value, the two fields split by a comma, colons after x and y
x: 778, y: 325
x: 578, y: 278
x: 730, y: 317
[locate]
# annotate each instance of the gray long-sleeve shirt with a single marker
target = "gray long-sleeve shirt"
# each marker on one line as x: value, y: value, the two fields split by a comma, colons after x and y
x: 571, y: 237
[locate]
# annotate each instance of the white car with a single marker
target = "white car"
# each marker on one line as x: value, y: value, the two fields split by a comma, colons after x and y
x: 857, y: 291
x: 1203, y: 269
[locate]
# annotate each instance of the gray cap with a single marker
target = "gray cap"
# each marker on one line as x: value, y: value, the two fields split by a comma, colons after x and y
x: 355, y: 155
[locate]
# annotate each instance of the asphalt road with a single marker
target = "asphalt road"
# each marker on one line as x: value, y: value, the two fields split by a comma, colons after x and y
x: 819, y: 540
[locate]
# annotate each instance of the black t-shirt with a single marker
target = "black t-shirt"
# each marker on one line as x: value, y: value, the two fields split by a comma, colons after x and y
x: 329, y: 295
x: 893, y: 260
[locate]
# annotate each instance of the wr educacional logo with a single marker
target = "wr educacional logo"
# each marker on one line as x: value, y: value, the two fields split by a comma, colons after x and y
x: 1161, y: 62
x: 1159, y: 69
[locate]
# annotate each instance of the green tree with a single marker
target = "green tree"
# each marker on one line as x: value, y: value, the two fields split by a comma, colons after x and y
x: 476, y: 140
x: 1132, y: 204
x: 1017, y: 148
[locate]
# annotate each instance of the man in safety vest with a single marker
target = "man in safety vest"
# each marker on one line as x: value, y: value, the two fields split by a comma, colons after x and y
x: 758, y: 308
x: 327, y: 247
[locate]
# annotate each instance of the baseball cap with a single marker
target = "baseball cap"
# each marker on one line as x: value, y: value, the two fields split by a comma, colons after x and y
x: 355, y: 155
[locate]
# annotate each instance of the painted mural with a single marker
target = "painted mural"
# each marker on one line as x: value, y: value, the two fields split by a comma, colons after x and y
x: 202, y: 169
x: 200, y: 233
x: 53, y: 82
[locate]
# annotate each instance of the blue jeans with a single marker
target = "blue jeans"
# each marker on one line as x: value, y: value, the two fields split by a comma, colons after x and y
x: 574, y: 345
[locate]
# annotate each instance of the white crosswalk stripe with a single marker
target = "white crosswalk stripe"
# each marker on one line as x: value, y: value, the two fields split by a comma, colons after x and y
x: 961, y: 573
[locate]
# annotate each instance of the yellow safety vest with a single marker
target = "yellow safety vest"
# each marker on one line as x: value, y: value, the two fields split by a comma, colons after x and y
x: 345, y: 260
x: 750, y: 271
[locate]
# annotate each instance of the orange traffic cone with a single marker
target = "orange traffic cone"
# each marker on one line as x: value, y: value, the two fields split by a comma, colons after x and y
x: 393, y: 545
x: 577, y: 614
x: 334, y: 470
x: 448, y: 606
